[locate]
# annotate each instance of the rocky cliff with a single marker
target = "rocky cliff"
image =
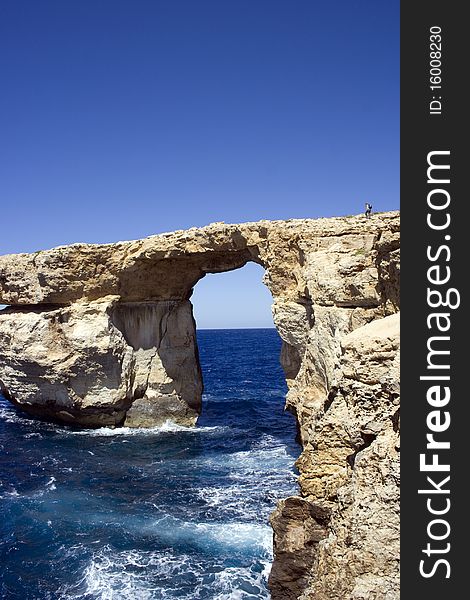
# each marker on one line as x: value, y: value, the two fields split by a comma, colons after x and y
x: 104, y: 335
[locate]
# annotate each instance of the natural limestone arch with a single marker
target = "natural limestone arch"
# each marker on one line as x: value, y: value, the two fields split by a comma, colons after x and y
x: 104, y: 335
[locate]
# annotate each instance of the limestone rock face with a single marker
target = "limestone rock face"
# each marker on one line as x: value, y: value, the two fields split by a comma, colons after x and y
x: 104, y: 335
x: 103, y: 363
x: 351, y: 467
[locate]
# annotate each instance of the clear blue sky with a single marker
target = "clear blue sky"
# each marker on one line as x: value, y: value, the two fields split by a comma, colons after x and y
x: 121, y: 119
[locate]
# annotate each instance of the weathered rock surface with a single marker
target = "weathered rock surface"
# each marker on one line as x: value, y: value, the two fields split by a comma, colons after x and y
x: 103, y: 362
x: 350, y: 466
x: 299, y: 526
x: 104, y: 335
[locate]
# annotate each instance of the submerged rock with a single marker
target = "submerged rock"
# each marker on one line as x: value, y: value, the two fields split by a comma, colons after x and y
x: 104, y: 335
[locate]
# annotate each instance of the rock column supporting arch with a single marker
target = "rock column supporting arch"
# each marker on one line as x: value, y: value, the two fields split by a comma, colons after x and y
x: 104, y: 335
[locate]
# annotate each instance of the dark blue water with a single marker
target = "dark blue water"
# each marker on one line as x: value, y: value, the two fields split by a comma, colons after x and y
x: 152, y: 514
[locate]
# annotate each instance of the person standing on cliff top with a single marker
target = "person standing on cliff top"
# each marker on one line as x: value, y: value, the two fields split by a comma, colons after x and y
x: 368, y: 210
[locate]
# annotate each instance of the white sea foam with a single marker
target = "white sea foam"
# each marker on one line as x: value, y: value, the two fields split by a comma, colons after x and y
x: 13, y: 493
x: 216, y: 496
x: 232, y: 535
x: 251, y: 481
x: 238, y: 535
x: 113, y: 575
x: 256, y: 461
x: 241, y: 583
x: 157, y: 575
x: 51, y: 484
x: 167, y: 427
x: 234, y: 501
x: 108, y: 577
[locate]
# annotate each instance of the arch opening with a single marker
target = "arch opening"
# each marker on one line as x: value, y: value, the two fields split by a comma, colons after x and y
x: 247, y: 465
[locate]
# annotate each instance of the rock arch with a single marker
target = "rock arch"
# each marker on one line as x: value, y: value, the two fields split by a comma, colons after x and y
x: 104, y: 335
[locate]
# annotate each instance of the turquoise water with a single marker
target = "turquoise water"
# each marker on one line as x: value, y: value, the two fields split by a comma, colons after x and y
x: 152, y: 514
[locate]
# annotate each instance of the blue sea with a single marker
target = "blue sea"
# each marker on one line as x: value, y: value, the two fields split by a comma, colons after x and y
x: 169, y: 512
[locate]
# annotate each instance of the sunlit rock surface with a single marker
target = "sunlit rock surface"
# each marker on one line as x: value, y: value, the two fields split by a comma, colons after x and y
x: 104, y: 335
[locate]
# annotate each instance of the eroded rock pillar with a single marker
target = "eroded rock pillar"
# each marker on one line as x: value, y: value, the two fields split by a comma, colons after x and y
x: 103, y: 363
